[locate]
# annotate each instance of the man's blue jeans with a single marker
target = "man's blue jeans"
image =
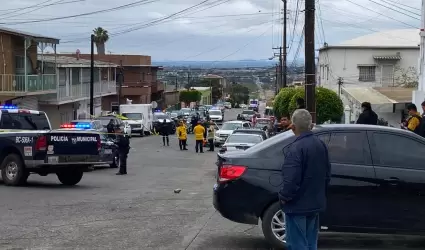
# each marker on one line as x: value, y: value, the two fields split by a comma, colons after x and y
x: 302, y: 231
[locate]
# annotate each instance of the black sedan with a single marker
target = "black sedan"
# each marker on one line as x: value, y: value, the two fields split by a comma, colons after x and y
x: 377, y: 184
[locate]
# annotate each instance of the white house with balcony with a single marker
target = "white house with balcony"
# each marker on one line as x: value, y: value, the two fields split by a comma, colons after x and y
x: 380, y: 68
x: 72, y: 98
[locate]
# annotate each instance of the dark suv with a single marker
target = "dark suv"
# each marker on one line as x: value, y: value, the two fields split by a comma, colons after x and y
x: 377, y: 185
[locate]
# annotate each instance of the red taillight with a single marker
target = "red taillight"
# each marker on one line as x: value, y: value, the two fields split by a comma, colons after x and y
x: 99, y: 144
x: 41, y: 143
x: 230, y: 172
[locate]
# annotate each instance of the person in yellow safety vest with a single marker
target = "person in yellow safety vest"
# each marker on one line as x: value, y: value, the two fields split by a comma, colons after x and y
x: 199, y: 132
x: 182, y: 134
x: 211, y: 132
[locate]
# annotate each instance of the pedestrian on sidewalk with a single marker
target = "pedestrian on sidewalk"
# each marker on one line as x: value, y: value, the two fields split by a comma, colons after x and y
x: 165, y: 132
x: 368, y: 116
x: 182, y: 134
x: 211, y: 132
x: 306, y: 173
x: 199, y: 132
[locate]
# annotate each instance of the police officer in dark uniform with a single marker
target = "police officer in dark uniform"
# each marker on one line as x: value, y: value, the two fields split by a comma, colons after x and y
x: 165, y: 132
x: 123, y: 142
x: 110, y: 129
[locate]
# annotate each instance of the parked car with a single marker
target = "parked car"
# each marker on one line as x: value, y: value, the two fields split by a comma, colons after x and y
x: 239, y: 141
x: 246, y: 115
x: 227, y: 105
x: 252, y: 131
x: 216, y: 115
x: 242, y: 106
x: 377, y: 184
x: 185, y: 112
x: 263, y: 123
x: 227, y: 129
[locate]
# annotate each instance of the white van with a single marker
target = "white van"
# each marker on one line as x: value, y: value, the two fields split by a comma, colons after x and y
x: 139, y: 117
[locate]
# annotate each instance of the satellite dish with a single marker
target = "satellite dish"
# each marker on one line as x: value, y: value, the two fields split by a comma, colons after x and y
x: 154, y: 104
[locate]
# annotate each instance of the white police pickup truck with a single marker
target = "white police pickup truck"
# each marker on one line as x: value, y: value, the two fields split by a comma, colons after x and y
x: 28, y: 145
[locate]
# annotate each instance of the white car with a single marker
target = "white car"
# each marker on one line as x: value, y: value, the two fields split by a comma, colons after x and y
x: 227, y: 105
x: 240, y: 142
x: 242, y: 106
x: 227, y: 129
x: 215, y: 115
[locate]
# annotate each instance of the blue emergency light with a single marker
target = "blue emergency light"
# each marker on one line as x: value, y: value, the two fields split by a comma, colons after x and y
x: 78, y: 125
x: 8, y: 107
x: 158, y: 110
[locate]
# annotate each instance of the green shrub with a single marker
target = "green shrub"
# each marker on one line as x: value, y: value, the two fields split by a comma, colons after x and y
x: 329, y: 106
x: 282, y: 101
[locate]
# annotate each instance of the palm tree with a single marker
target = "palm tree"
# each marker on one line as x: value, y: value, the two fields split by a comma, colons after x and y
x: 101, y: 36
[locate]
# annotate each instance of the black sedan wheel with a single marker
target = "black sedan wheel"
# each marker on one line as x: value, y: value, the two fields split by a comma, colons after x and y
x: 273, y: 225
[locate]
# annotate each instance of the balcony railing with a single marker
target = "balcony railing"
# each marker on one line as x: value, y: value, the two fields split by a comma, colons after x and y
x: 34, y: 83
x: 77, y: 91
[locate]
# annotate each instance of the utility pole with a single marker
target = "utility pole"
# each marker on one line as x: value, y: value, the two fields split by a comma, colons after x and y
x: 120, y: 82
x: 285, y: 69
x: 276, y: 91
x: 92, y: 76
x: 280, y: 55
x: 177, y: 84
x: 340, y: 82
x: 419, y: 94
x: 188, y: 78
x: 310, y: 64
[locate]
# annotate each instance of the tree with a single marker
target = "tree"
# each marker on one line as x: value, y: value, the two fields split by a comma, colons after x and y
x: 101, y: 36
x: 216, y: 88
x: 188, y: 96
x: 239, y: 93
x: 407, y: 78
x: 329, y: 106
x: 281, y: 101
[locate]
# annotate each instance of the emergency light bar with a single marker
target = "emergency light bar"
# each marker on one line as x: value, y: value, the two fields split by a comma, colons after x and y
x: 8, y: 107
x: 78, y: 125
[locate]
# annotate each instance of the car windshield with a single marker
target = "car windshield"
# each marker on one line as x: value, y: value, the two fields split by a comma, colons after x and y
x: 263, y: 121
x: 248, y: 112
x: 133, y: 116
x: 185, y: 110
x: 231, y: 126
x: 214, y: 112
x: 26, y: 121
x: 244, y: 138
x: 160, y: 116
x: 173, y: 115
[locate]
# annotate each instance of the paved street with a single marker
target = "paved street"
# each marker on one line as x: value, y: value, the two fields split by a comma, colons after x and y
x: 140, y: 210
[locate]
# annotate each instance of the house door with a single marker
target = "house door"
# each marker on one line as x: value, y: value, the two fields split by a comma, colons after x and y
x: 387, y: 75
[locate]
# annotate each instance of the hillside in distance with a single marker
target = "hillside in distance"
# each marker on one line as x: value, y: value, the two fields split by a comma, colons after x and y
x: 216, y: 64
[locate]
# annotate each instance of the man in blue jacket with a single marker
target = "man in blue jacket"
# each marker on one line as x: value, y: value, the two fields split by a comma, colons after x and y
x: 306, y: 173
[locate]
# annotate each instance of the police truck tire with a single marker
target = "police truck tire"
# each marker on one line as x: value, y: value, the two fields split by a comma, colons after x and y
x: 70, y: 177
x: 13, y: 171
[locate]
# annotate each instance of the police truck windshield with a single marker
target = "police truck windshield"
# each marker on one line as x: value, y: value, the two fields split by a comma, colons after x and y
x: 133, y: 116
x: 26, y: 121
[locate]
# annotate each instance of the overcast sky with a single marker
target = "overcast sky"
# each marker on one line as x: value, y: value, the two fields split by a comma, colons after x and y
x: 232, y: 30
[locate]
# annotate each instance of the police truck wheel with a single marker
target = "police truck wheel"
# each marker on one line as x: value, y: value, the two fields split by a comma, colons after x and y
x: 13, y: 171
x: 70, y: 177
x: 273, y: 226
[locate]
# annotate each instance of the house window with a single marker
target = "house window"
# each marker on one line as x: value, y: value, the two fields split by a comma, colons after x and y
x: 367, y: 73
x: 19, y: 62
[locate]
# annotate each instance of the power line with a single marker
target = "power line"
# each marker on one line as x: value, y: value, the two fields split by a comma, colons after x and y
x: 159, y: 20
x: 404, y: 9
x: 396, y: 10
x: 382, y: 14
x: 35, y: 9
x: 23, y: 8
x: 295, y: 26
x: 125, y: 6
x: 28, y: 7
x: 404, y: 5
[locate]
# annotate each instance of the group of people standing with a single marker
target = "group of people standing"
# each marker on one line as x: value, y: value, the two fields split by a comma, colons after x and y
x: 204, y: 132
